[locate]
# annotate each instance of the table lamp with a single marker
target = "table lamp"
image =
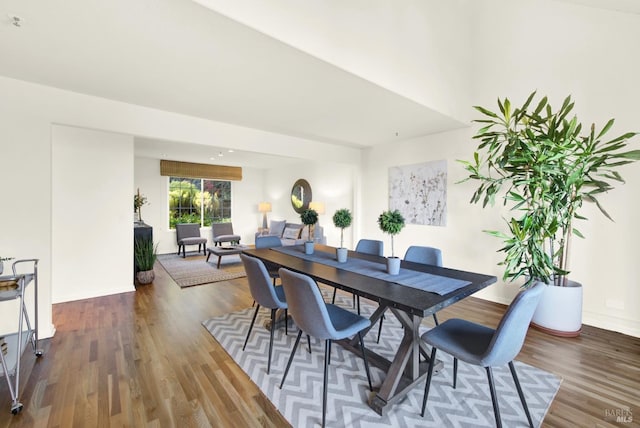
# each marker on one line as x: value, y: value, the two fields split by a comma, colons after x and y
x: 264, y: 208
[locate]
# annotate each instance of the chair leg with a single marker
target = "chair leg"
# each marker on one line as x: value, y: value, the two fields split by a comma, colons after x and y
x: 309, y: 342
x: 293, y: 351
x: 333, y: 299
x: 253, y: 320
x: 435, y: 319
x: 358, y: 302
x: 364, y: 358
x: 455, y: 372
x: 286, y: 322
x: 494, y: 397
x: 327, y: 357
x: 522, y: 400
x: 380, y: 328
x: 428, y: 383
x: 271, y: 330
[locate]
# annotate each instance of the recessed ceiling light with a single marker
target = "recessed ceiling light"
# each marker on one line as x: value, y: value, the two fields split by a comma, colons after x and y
x: 16, y: 21
x: 230, y: 150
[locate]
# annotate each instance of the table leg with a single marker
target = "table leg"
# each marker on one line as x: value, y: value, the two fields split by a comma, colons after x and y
x: 405, y: 371
x: 219, y: 258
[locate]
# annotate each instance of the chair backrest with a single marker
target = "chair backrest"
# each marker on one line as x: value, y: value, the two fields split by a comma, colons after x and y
x: 187, y: 230
x: 260, y: 283
x: 424, y: 255
x: 370, y: 246
x: 220, y: 229
x: 306, y: 305
x: 510, y: 333
x: 268, y: 241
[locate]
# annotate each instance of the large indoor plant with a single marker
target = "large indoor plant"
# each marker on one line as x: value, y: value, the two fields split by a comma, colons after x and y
x: 342, y: 219
x: 309, y: 217
x: 145, y: 254
x: 544, y: 165
x: 391, y: 222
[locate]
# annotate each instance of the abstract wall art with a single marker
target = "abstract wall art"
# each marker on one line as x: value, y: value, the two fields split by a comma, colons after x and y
x: 419, y: 192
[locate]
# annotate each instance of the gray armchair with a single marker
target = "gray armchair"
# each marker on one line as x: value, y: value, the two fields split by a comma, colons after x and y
x: 189, y: 234
x: 223, y: 232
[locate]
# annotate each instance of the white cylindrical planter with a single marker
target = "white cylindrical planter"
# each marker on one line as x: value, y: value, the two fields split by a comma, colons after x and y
x: 308, y: 247
x: 341, y: 254
x: 393, y: 265
x: 560, y: 310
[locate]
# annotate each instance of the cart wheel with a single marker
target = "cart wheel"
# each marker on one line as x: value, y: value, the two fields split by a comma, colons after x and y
x: 39, y: 353
x: 16, y: 408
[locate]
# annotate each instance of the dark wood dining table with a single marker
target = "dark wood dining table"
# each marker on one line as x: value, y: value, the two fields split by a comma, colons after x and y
x: 410, y: 305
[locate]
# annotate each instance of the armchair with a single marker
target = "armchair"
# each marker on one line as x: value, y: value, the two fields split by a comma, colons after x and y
x: 189, y: 234
x: 223, y: 232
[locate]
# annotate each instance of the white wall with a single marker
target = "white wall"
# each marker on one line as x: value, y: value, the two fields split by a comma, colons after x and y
x: 91, y: 215
x: 586, y: 52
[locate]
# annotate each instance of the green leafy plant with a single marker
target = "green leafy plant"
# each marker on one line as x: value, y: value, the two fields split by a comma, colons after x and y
x: 544, y: 167
x: 309, y: 217
x: 391, y: 222
x: 145, y: 253
x: 342, y: 219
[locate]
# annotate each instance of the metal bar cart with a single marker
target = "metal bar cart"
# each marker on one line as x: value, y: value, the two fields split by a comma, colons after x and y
x: 13, y: 287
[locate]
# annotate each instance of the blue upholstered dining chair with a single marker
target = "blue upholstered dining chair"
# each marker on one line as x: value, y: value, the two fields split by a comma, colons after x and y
x: 265, y: 295
x: 364, y: 246
x: 483, y: 346
x: 370, y: 246
x: 425, y: 256
x: 269, y: 241
x: 322, y: 320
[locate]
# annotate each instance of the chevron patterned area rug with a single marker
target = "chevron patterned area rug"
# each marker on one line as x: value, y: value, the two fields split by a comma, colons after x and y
x: 300, y: 399
x: 195, y: 270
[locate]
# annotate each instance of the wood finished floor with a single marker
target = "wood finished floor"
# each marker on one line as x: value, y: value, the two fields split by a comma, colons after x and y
x: 144, y: 359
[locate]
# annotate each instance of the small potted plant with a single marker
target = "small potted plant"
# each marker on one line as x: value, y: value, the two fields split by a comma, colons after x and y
x: 309, y: 217
x: 391, y: 222
x: 138, y: 201
x: 145, y: 255
x: 342, y: 219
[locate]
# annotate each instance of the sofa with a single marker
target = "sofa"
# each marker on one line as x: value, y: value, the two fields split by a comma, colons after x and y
x: 292, y: 233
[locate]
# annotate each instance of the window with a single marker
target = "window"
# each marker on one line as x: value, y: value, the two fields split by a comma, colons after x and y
x: 194, y: 200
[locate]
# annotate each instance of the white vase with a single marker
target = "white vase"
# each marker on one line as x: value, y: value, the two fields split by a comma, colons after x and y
x: 341, y: 254
x: 560, y: 310
x: 308, y: 247
x: 393, y: 265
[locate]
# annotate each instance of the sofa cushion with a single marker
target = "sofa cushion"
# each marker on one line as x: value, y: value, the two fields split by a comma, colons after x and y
x: 276, y: 227
x: 291, y: 232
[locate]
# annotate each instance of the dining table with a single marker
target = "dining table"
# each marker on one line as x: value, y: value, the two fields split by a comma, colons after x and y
x: 418, y: 291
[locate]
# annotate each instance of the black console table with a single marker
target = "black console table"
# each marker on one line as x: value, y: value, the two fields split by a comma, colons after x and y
x: 140, y: 231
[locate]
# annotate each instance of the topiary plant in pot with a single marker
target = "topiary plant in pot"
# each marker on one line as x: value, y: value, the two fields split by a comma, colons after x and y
x: 391, y: 222
x: 544, y: 166
x: 309, y: 217
x: 342, y: 219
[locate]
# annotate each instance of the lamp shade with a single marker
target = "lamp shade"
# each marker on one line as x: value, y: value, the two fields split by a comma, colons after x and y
x: 317, y: 207
x: 264, y: 207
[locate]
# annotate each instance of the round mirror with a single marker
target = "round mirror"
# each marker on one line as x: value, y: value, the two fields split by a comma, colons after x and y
x: 300, y: 195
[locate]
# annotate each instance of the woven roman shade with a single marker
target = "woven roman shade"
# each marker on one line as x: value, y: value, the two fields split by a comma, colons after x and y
x: 200, y: 170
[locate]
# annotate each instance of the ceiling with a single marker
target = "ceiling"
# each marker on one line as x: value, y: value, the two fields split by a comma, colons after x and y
x: 178, y: 56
